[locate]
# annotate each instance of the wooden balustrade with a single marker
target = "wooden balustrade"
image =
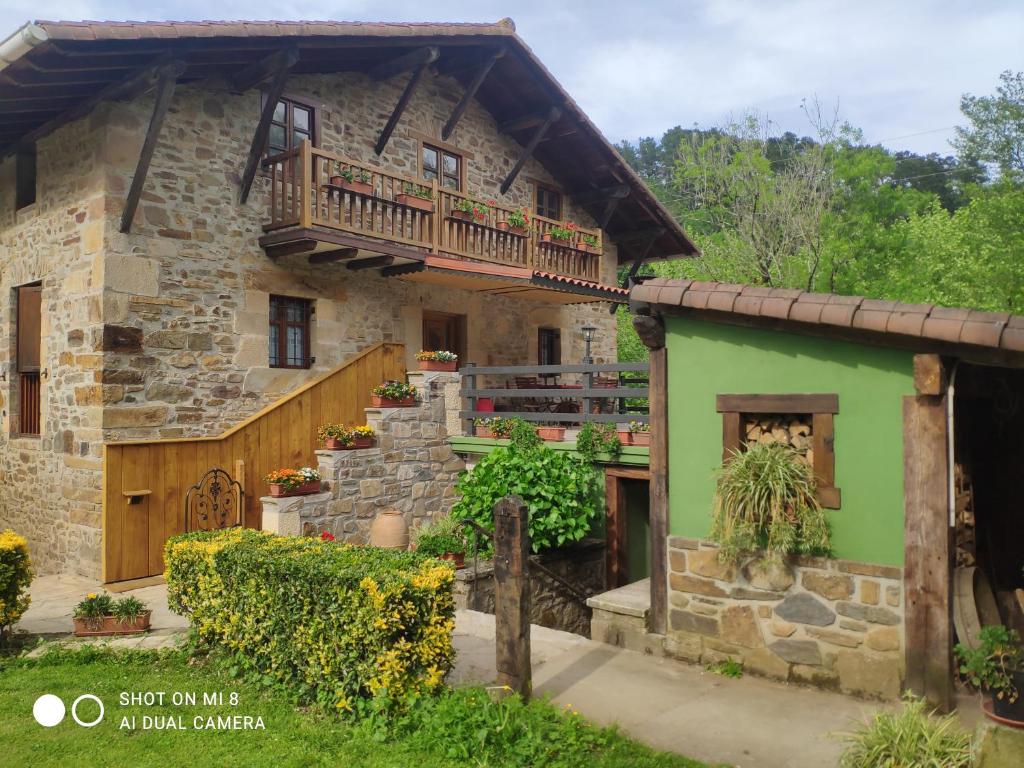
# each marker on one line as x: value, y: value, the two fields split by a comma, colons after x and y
x: 307, y: 189
x: 145, y: 481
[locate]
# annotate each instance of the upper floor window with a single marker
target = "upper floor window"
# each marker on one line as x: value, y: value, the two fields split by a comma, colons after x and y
x: 549, y: 203
x: 443, y: 165
x: 25, y: 177
x: 291, y: 124
x: 289, y: 332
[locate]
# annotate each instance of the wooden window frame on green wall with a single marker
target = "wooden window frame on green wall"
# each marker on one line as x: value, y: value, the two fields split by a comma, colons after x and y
x: 821, y: 408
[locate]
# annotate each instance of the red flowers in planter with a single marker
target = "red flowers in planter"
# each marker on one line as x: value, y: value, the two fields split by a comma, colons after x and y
x: 326, y: 536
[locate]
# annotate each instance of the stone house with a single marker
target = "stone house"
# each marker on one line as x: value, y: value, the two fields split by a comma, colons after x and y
x: 184, y: 241
x: 910, y: 418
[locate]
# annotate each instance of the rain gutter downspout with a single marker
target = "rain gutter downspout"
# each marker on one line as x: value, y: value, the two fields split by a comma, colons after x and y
x: 21, y: 42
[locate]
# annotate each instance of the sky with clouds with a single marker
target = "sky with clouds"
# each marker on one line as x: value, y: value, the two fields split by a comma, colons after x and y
x: 896, y: 68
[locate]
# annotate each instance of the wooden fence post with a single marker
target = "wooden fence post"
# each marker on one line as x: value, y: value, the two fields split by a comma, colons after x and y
x: 512, y: 595
x: 470, y: 402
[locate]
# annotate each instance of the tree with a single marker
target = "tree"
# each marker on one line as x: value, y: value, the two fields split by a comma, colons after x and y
x: 996, y: 131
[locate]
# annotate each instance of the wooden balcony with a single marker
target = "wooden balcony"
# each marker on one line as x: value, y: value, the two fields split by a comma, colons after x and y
x: 384, y: 217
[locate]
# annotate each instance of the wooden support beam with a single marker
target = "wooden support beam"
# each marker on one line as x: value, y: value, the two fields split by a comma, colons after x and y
x: 927, y: 567
x: 512, y: 595
x: 412, y: 60
x: 588, y: 196
x: 642, y: 235
x: 471, y: 89
x: 929, y: 375
x: 259, y: 138
x: 291, y: 248
x: 374, y: 261
x: 132, y: 86
x: 607, y: 213
x: 164, y: 94
x: 553, y: 114
x: 652, y: 333
x: 329, y: 257
x: 522, y: 123
x: 425, y: 60
x: 263, y: 70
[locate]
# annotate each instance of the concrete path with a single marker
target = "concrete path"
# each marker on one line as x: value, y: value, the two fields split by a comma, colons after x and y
x: 668, y: 705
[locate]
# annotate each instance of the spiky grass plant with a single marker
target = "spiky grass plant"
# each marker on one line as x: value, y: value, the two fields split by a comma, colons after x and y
x: 911, y: 737
x: 766, y: 501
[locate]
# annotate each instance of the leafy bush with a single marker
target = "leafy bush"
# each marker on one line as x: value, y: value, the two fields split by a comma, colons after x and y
x: 560, y: 489
x: 596, y: 438
x: 15, y: 576
x: 439, y: 537
x: 908, y: 738
x: 348, y: 627
x: 989, y: 665
x: 766, y: 500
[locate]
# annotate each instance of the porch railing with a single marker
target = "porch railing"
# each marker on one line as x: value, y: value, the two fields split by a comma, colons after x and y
x: 388, y: 208
x: 607, y: 393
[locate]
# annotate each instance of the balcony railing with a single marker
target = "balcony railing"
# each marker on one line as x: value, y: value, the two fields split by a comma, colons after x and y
x: 308, y: 188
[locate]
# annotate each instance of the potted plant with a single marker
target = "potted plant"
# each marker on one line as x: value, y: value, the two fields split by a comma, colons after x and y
x: 637, y: 433
x: 100, y: 614
x: 393, y: 394
x: 293, y: 482
x: 442, y: 538
x: 469, y: 210
x: 516, y: 222
x: 560, y: 235
x: 996, y: 665
x: 586, y: 243
x: 416, y: 196
x: 336, y: 179
x: 334, y: 437
x: 439, y: 360
x: 356, y: 180
x: 493, y: 427
x: 551, y: 433
x: 362, y: 436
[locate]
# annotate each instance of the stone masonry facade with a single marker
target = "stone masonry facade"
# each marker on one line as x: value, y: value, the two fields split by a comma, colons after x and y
x: 163, y: 332
x: 821, y: 621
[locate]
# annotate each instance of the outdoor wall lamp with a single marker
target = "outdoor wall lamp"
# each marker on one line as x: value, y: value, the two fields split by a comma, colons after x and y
x: 588, y: 336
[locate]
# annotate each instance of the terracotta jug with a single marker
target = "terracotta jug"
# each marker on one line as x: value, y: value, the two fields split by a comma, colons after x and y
x: 389, y: 530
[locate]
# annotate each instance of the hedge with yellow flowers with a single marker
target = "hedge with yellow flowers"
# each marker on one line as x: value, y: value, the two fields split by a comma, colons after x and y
x: 346, y: 626
x: 15, y: 576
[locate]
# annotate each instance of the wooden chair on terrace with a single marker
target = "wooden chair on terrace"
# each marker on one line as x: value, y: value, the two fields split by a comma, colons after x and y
x: 532, y: 404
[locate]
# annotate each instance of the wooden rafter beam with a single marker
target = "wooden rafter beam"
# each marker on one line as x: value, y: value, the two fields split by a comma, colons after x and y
x: 139, y: 82
x: 553, y: 115
x: 291, y: 248
x: 284, y: 61
x: 409, y: 61
x: 164, y: 92
x: 525, y: 121
x: 471, y: 89
x: 425, y: 60
x: 588, y: 196
x: 261, y: 71
x: 374, y: 261
x: 608, y: 212
x: 329, y: 257
x: 641, y: 235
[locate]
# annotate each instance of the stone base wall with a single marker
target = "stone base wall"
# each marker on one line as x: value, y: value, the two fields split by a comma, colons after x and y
x: 551, y: 605
x: 830, y: 623
x: 411, y: 468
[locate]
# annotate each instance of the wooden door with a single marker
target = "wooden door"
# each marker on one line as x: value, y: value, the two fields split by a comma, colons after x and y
x: 445, y: 331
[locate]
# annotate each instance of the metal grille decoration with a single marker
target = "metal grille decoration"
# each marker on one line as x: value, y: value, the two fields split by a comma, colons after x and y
x: 214, y: 502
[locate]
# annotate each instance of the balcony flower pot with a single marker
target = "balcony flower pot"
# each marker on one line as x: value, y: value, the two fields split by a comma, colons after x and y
x: 553, y: 434
x: 336, y: 181
x: 458, y: 559
x: 547, y: 238
x: 277, y: 489
x: 462, y: 215
x: 625, y: 436
x: 502, y: 226
x: 483, y: 432
x: 582, y: 247
x: 412, y: 201
x: 448, y: 366
x: 359, y: 187
x: 386, y: 402
x: 335, y: 444
x: 639, y: 438
x: 108, y: 625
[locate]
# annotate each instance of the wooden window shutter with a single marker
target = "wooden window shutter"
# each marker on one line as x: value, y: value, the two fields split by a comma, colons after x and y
x: 29, y: 326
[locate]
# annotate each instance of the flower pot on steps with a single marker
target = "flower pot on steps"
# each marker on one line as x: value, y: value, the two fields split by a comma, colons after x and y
x: 108, y: 625
x: 313, y: 486
x: 386, y: 402
x: 446, y: 366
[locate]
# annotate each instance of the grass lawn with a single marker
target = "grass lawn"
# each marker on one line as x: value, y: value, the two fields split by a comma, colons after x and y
x: 462, y: 729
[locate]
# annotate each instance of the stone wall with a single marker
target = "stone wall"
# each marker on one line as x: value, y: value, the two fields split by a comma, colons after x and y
x: 551, y: 604
x: 830, y: 623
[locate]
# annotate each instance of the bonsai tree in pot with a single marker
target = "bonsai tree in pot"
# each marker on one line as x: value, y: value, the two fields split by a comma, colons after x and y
x: 439, y: 360
x: 996, y: 665
x: 765, y: 500
x: 393, y: 394
x: 443, y: 538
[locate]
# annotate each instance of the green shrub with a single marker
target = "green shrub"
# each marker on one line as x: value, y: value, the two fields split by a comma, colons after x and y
x: 15, y: 576
x: 560, y: 489
x: 440, y: 536
x: 766, y: 500
x: 596, y: 438
x: 990, y: 665
x: 349, y: 627
x: 908, y: 738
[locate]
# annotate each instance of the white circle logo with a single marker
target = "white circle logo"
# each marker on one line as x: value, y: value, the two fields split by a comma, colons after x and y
x: 48, y: 710
x: 74, y: 710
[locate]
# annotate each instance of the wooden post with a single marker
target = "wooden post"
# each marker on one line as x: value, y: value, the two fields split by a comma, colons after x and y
x: 469, y: 384
x: 512, y: 595
x: 307, y: 192
x: 927, y: 541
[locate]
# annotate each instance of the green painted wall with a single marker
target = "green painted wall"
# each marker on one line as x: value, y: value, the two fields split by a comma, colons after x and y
x: 706, y: 359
